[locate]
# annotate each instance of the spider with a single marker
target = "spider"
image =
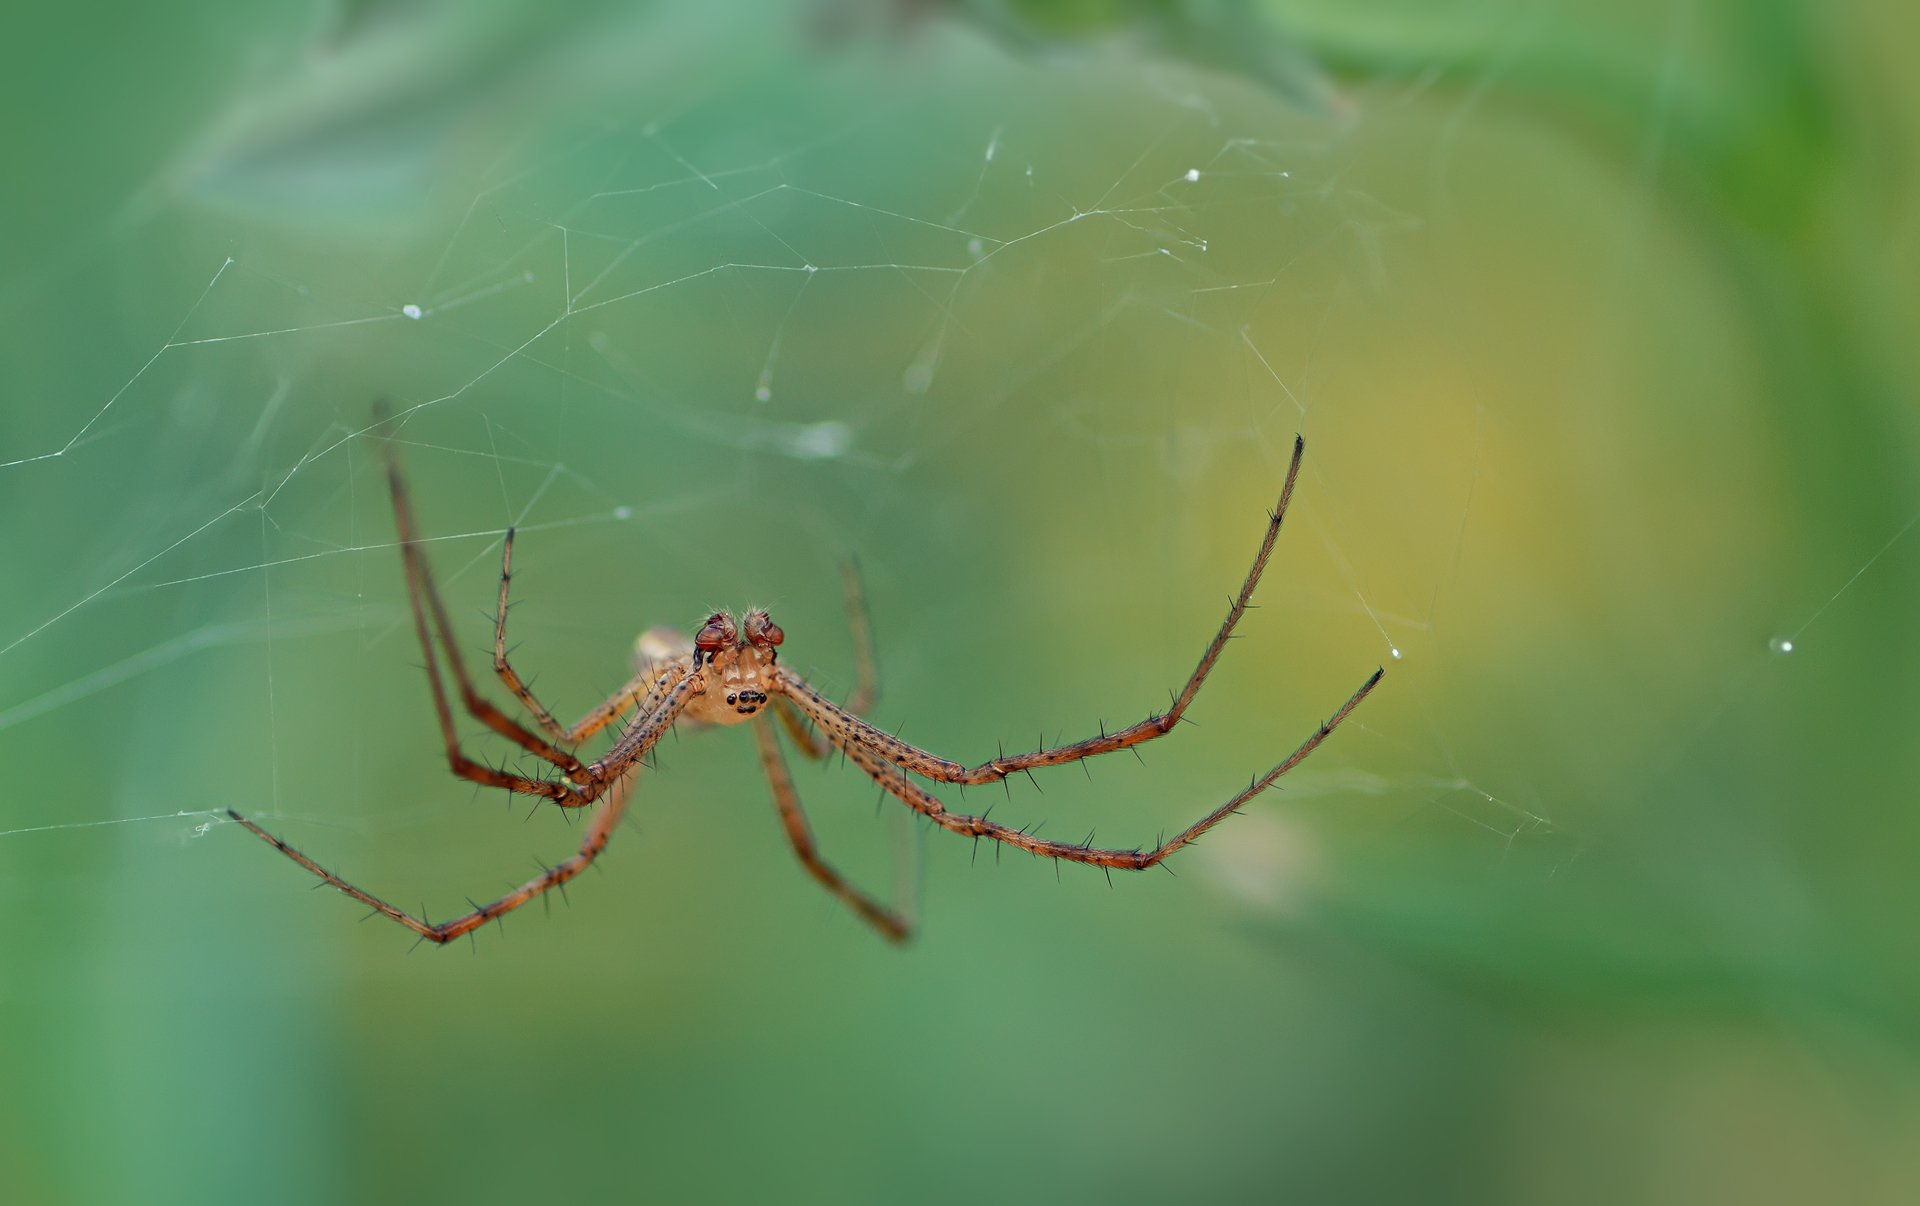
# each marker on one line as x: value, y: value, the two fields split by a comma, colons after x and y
x: 727, y: 673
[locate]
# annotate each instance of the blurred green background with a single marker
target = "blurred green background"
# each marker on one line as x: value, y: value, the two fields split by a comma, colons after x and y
x: 1597, y: 319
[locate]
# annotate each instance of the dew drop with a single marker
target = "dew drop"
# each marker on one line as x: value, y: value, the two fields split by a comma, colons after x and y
x: 411, y: 310
x: 1395, y: 651
x: 1781, y: 645
x: 1193, y: 175
x: 623, y: 512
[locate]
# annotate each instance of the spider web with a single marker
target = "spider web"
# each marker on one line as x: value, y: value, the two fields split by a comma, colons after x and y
x: 1034, y: 345
x: 696, y: 354
x: 1031, y: 337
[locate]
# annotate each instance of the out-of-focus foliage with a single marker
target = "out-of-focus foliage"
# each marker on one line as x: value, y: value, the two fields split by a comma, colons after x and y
x: 1596, y: 318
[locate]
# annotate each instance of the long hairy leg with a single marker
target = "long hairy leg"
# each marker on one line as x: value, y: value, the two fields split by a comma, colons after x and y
x: 842, y: 724
x: 425, y: 600
x: 897, y: 784
x: 664, y: 704
x: 865, y: 667
x: 787, y: 799
x: 599, y: 833
x: 602, y: 715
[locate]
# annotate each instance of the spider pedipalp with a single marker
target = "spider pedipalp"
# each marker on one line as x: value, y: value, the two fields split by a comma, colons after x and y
x: 761, y: 630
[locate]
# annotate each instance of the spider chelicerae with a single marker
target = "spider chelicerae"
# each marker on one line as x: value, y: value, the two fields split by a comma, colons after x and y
x: 729, y: 672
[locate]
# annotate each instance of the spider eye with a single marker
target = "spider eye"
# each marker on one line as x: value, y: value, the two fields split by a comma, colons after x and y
x: 761, y: 630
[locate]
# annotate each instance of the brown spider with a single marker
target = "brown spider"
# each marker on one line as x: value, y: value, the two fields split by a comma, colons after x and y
x: 729, y: 673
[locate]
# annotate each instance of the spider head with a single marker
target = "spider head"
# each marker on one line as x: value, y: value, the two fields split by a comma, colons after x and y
x: 739, y: 658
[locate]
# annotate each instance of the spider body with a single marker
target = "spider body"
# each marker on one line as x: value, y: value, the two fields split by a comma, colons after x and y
x: 735, y: 663
x: 728, y: 673
x: 732, y: 663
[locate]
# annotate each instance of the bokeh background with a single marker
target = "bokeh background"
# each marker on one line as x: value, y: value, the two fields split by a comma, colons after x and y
x: 1597, y: 319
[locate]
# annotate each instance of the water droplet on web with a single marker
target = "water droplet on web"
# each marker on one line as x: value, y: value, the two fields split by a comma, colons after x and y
x: 762, y: 393
x: 918, y: 378
x: 623, y: 512
x: 1193, y: 175
x: 411, y: 310
x: 1780, y: 645
x: 1395, y: 651
x: 976, y: 248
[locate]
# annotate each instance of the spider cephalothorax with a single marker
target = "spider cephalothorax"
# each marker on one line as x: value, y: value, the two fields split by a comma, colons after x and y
x: 726, y: 673
x: 738, y: 661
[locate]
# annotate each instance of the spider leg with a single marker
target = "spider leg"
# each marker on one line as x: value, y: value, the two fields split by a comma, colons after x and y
x: 841, y: 724
x: 671, y: 693
x: 504, y: 670
x: 860, y: 625
x: 866, y: 675
x: 890, y: 924
x: 806, y: 739
x: 614, y: 776
x: 896, y: 783
x: 420, y: 587
x: 599, y: 832
x: 602, y: 715
x: 635, y: 690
